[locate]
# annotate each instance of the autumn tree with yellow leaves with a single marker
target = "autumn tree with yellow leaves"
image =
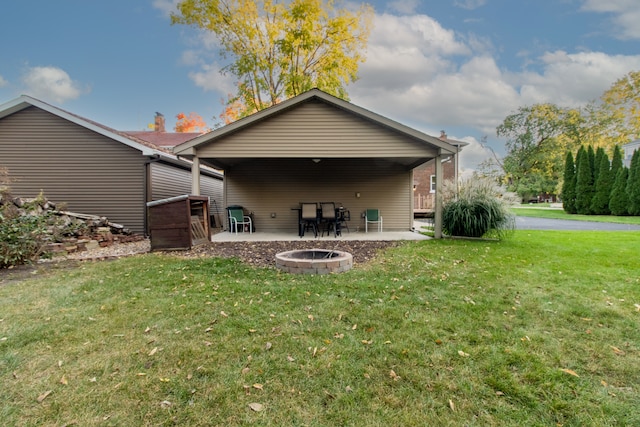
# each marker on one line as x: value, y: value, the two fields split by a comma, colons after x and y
x: 279, y: 49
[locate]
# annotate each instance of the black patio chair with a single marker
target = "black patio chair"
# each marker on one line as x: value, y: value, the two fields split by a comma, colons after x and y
x: 309, y: 218
x: 328, y: 218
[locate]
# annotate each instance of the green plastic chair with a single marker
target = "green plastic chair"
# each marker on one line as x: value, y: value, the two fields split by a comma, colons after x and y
x: 372, y: 216
x: 237, y: 218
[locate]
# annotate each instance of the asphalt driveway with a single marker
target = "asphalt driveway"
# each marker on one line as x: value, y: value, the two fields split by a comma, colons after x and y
x: 529, y: 223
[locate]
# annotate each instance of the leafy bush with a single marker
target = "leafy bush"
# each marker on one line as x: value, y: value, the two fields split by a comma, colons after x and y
x: 23, y: 234
x: 22, y: 239
x: 479, y: 210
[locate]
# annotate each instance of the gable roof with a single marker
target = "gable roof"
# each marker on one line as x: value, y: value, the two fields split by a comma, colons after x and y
x: 189, y: 147
x: 25, y: 101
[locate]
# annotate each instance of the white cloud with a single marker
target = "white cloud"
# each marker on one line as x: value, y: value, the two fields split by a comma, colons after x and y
x: 210, y: 79
x: 625, y: 16
x: 573, y: 79
x: 51, y: 83
x: 3, y: 82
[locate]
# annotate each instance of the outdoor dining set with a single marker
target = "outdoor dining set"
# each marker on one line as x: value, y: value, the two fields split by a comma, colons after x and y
x: 326, y: 217
x: 319, y: 217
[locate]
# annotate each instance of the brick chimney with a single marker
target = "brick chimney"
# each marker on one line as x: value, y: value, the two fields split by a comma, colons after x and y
x: 443, y: 135
x: 159, y: 123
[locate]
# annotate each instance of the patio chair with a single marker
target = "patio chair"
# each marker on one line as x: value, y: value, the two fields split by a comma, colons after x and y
x: 328, y: 217
x: 237, y: 218
x: 372, y: 216
x: 343, y: 216
x: 308, y: 218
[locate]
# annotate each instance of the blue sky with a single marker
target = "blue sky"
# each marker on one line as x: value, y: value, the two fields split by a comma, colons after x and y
x: 455, y: 65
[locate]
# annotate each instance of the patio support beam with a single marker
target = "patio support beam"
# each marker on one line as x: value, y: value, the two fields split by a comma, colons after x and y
x: 437, y: 217
x: 195, y: 176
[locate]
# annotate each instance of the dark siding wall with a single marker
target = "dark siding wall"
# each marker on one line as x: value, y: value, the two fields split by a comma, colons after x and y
x: 88, y: 172
x: 170, y: 181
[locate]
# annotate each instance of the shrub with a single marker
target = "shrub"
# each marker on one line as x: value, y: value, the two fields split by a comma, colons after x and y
x: 23, y: 233
x: 480, y: 210
x: 619, y: 202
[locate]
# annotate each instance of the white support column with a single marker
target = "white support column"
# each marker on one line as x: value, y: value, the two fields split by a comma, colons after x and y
x: 437, y: 220
x: 195, y: 176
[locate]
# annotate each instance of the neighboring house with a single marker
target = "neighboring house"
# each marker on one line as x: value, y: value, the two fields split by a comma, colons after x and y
x: 88, y: 167
x: 318, y: 148
x: 424, y: 179
x: 627, y: 151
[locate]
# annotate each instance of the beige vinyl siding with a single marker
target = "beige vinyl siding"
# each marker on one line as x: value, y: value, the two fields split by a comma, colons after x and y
x: 316, y: 129
x: 277, y: 185
x: 88, y: 172
x: 170, y: 181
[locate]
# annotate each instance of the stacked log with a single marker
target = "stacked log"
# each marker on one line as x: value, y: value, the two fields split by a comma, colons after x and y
x: 71, y: 231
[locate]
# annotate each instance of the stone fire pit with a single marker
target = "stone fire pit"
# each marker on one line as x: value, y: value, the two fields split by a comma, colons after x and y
x: 314, y: 261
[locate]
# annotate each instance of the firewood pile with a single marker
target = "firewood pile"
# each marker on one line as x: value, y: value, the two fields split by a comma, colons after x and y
x: 71, y: 231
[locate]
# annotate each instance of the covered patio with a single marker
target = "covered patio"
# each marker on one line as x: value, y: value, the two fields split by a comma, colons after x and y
x: 318, y: 148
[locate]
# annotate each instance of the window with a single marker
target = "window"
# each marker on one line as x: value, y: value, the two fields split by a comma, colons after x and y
x: 433, y: 184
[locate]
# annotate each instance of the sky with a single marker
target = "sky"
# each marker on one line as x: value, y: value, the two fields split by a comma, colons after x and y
x: 461, y: 66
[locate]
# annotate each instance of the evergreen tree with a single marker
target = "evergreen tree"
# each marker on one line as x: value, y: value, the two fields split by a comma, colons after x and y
x: 569, y: 185
x: 616, y: 162
x: 596, y: 163
x: 619, y: 202
x: 584, y: 182
x: 592, y: 160
x: 603, y: 184
x: 633, y: 184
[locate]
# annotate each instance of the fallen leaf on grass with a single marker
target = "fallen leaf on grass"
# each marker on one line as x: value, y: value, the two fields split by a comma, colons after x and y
x: 463, y: 354
x: 394, y: 376
x: 617, y: 351
x: 63, y: 380
x: 256, y: 407
x: 154, y: 351
x: 44, y: 395
x: 570, y: 372
x: 452, y: 405
x: 258, y: 386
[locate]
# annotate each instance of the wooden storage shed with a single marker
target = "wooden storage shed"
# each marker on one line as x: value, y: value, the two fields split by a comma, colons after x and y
x: 179, y: 222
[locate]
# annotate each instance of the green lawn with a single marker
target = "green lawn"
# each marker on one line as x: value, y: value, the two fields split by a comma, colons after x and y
x: 551, y: 213
x: 539, y: 329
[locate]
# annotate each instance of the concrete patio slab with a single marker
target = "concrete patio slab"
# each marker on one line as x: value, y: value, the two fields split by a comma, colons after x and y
x: 258, y: 236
